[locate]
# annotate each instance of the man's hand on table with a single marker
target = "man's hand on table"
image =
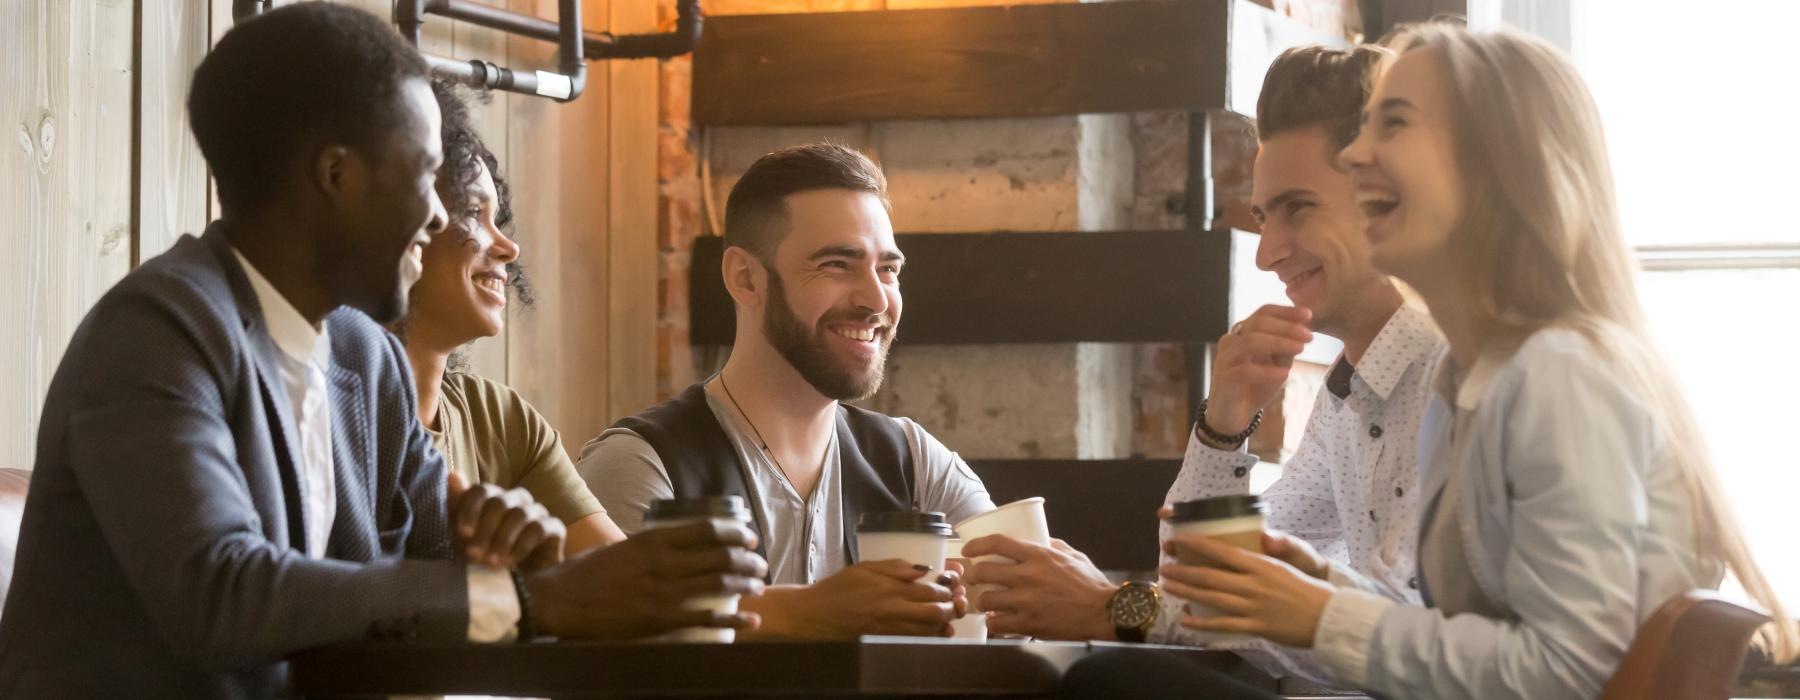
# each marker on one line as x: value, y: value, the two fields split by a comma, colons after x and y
x: 872, y: 597
x: 503, y: 528
x: 637, y: 588
x: 1052, y: 592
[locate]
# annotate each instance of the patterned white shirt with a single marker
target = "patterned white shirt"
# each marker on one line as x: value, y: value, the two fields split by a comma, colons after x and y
x: 1349, y: 489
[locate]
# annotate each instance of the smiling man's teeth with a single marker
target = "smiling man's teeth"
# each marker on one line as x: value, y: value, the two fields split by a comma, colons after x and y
x: 1366, y: 198
x: 864, y: 335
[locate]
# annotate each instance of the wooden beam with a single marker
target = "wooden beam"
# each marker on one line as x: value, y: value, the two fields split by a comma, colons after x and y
x: 1014, y: 61
x: 1119, y: 287
x: 557, y: 351
x: 632, y: 254
x: 174, y: 197
x: 1381, y: 16
x: 1106, y: 508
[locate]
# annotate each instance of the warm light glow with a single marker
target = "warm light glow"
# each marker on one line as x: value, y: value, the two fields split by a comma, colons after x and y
x: 1700, y: 122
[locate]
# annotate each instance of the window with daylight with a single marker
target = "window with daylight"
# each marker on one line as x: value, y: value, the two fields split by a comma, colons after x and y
x: 1700, y: 123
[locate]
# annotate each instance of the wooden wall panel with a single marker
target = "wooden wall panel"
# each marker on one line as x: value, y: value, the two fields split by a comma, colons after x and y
x: 631, y: 241
x: 173, y: 194
x: 87, y: 81
x: 558, y: 351
x: 66, y: 96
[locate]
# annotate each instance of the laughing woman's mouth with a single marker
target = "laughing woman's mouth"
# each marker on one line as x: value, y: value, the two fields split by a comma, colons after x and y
x: 1376, y: 204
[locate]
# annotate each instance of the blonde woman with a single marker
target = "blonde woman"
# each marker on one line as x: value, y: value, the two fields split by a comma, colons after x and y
x: 1568, y: 493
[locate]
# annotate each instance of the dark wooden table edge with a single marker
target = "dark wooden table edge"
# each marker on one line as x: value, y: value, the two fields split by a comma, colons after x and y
x: 873, y: 666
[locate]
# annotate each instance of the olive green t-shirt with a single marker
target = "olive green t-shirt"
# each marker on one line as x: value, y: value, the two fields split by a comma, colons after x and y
x: 489, y: 434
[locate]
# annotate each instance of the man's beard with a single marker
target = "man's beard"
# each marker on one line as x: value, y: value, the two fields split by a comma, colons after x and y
x: 809, y: 354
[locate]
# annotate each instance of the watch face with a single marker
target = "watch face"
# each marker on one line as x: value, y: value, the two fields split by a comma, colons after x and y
x: 1134, y: 606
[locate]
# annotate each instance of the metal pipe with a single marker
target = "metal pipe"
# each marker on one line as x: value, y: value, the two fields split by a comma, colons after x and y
x: 484, y: 15
x: 598, y: 45
x: 569, y: 49
x: 409, y: 16
x: 688, y: 23
x: 483, y: 74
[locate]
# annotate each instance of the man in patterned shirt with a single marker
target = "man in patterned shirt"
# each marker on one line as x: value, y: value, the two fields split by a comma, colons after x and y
x: 1348, y: 491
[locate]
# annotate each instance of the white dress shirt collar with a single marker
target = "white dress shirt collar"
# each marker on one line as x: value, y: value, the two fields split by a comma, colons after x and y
x: 293, y: 335
x: 1408, y: 334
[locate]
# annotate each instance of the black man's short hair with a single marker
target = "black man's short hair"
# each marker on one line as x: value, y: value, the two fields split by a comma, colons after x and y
x: 281, y: 85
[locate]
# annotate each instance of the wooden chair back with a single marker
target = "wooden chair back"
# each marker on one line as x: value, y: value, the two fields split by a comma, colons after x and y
x: 1691, y: 648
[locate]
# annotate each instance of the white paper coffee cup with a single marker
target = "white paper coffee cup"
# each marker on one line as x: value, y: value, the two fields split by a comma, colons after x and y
x: 676, y: 512
x: 915, y: 537
x: 1237, y: 520
x: 1022, y: 520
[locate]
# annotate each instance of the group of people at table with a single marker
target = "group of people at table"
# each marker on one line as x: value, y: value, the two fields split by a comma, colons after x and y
x: 263, y: 441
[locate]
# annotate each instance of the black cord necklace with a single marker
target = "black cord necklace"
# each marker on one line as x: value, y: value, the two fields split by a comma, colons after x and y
x: 760, y: 442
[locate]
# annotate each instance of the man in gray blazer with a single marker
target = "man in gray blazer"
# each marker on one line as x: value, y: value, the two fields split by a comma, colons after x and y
x: 230, y: 468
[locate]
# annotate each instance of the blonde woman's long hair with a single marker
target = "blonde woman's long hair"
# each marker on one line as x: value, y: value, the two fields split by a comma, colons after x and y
x: 1540, y: 244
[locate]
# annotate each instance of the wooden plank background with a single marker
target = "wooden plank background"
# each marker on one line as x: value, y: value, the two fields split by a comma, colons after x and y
x: 969, y: 62
x: 101, y: 173
x: 66, y: 98
x: 988, y: 288
x: 172, y: 191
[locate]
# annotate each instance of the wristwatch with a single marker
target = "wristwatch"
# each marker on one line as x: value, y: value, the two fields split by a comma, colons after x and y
x: 1133, y: 609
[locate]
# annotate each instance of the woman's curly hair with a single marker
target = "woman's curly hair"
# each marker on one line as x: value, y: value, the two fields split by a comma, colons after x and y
x: 463, y: 150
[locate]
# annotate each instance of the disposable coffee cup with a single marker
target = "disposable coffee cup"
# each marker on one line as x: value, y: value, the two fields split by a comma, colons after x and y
x: 1021, y: 520
x: 917, y: 538
x: 676, y: 512
x: 1235, y: 520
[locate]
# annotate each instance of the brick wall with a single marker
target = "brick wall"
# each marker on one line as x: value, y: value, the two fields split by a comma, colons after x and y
x: 1048, y: 174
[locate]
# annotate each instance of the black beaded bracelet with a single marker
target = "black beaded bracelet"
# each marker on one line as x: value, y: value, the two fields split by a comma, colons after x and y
x: 1227, y: 440
x: 526, y: 631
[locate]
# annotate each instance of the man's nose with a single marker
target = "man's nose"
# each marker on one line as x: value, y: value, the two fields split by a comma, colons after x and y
x: 1272, y: 247
x: 870, y: 293
x: 1356, y: 154
x: 440, y: 219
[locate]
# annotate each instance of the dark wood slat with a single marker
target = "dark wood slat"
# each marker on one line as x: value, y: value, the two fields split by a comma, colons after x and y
x: 962, y: 288
x: 1018, y: 61
x: 1104, y: 507
x: 1381, y: 16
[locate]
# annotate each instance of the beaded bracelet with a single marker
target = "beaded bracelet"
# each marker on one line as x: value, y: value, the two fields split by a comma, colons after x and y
x: 1227, y: 440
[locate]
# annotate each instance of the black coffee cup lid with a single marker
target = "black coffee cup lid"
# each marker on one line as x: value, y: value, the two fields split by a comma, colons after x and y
x: 728, y: 507
x: 1217, y: 508
x: 926, y: 522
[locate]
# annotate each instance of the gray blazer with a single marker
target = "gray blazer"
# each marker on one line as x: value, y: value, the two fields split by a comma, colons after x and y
x: 162, y: 549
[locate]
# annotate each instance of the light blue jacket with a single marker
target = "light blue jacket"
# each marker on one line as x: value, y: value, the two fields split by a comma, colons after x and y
x: 1575, y: 523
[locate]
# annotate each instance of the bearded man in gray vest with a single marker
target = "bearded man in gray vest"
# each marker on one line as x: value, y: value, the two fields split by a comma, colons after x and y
x: 813, y: 270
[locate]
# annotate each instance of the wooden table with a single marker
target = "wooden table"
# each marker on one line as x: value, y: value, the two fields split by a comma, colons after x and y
x: 873, y: 666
